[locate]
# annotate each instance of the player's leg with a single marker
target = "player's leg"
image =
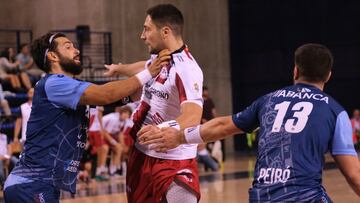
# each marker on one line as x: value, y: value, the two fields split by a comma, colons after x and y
x: 138, y: 177
x: 31, y: 192
x: 178, y: 194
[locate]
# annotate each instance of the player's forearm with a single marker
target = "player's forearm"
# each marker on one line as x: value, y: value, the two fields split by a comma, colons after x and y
x: 355, y: 186
x: 218, y: 128
x: 353, y: 178
x: 350, y: 168
x: 137, y: 95
x: 130, y: 69
x: 186, y: 121
x: 109, y: 92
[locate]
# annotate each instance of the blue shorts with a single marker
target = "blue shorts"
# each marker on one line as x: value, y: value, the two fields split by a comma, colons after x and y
x: 36, y: 191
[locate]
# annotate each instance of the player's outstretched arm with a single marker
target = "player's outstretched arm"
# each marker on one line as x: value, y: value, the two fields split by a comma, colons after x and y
x: 116, y: 90
x: 350, y: 168
x: 124, y: 69
x: 169, y: 138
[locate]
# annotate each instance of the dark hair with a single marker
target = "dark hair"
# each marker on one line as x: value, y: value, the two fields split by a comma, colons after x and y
x: 5, y: 53
x: 167, y: 15
x: 314, y: 62
x: 205, y: 88
x: 125, y: 108
x: 39, y: 47
x: 22, y: 46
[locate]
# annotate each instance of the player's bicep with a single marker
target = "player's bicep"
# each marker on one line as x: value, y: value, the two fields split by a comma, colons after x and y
x: 189, y: 85
x: 342, y: 141
x: 190, y: 114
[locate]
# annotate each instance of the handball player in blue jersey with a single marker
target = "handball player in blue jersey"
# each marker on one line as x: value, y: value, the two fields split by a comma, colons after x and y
x: 298, y: 124
x: 56, y: 131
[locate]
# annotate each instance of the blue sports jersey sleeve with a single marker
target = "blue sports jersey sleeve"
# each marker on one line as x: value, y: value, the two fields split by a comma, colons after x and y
x: 342, y: 141
x: 247, y: 120
x: 65, y: 91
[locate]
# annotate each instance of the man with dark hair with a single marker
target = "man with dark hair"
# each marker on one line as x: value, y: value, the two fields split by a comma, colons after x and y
x: 298, y: 125
x: 56, y: 131
x: 173, y: 98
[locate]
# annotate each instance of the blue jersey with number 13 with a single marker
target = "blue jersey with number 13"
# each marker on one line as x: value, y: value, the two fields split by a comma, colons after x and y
x: 298, y: 125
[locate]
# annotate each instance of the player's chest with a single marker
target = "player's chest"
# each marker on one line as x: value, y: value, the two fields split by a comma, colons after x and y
x: 163, y: 87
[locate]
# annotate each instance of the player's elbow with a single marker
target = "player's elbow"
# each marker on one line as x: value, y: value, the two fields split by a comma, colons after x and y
x: 353, y: 178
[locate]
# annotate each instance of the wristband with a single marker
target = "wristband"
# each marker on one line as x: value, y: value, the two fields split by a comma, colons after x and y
x: 192, y: 135
x: 171, y: 124
x: 144, y: 76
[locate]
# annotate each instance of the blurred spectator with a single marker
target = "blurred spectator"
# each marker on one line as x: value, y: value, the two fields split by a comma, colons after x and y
x: 6, y: 157
x: 205, y: 158
x: 26, y: 63
x: 8, y: 68
x: 355, y: 122
x: 112, y: 125
x: 12, y: 67
x: 21, y: 122
x: 4, y: 103
x: 125, y: 138
x: 96, y: 139
x: 209, y: 112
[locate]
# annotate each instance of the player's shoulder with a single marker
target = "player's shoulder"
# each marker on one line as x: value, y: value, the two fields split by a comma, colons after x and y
x: 311, y: 93
x: 186, y: 68
x: 184, y: 58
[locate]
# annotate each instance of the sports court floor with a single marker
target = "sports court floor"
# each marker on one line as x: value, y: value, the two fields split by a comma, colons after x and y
x: 230, y: 186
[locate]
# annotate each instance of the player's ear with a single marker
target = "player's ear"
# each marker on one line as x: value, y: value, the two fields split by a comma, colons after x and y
x: 328, y: 77
x: 296, y: 73
x: 165, y: 31
x: 52, y: 56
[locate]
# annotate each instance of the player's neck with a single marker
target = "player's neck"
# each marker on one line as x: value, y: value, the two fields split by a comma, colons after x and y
x: 319, y: 85
x: 175, y: 44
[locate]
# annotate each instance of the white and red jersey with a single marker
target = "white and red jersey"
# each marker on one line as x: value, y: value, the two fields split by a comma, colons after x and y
x: 111, y: 123
x: 127, y: 125
x: 25, y: 115
x: 180, y: 82
x: 94, y: 118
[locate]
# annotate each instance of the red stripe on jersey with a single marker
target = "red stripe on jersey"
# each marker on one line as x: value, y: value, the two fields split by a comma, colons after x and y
x: 139, y: 117
x: 181, y: 89
x: 92, y: 118
x: 161, y: 78
x: 188, y: 53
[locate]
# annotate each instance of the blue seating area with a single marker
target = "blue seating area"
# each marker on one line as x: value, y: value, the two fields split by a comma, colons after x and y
x: 7, y: 125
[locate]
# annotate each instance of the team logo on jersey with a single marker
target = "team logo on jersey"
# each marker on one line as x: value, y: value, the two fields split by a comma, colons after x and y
x: 304, y: 89
x: 301, y: 95
x: 196, y: 87
x: 163, y: 75
x: 149, y: 92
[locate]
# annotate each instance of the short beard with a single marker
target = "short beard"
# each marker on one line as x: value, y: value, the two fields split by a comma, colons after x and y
x: 154, y: 51
x: 70, y: 66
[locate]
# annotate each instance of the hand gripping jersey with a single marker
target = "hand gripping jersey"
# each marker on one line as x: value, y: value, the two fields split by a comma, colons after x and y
x: 180, y: 82
x: 298, y: 125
